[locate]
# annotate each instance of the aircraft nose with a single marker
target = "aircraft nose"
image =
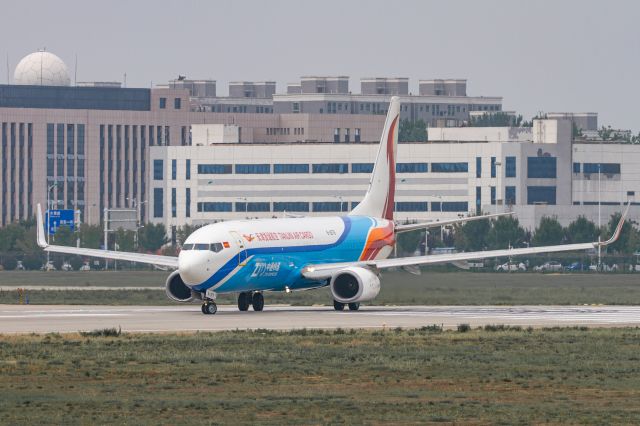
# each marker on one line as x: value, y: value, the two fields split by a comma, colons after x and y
x: 192, y: 267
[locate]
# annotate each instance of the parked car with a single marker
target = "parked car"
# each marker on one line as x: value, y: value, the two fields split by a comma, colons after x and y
x: 66, y: 266
x: 577, y: 266
x: 85, y: 267
x: 48, y: 266
x: 551, y: 266
x: 20, y: 266
x: 511, y: 267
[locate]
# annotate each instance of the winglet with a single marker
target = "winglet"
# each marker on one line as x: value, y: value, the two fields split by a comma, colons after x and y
x: 618, y: 231
x: 42, y: 242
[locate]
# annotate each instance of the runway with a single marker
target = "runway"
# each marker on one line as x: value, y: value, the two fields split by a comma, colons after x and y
x: 158, y: 319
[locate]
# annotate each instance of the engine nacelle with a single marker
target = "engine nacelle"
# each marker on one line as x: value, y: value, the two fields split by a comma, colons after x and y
x: 354, y: 284
x: 178, y: 291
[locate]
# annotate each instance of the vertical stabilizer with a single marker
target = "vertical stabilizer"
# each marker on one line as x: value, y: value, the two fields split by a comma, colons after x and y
x: 380, y: 197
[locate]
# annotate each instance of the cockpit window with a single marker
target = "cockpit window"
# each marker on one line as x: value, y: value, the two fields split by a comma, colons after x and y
x: 214, y: 247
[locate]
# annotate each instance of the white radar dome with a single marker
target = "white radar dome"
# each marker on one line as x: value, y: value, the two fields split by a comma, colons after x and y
x: 41, y: 69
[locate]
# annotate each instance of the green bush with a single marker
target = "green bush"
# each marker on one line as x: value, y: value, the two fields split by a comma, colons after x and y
x: 9, y: 262
x: 463, y: 328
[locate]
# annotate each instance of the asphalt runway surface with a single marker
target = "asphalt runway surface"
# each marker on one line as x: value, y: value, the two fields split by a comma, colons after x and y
x: 158, y: 319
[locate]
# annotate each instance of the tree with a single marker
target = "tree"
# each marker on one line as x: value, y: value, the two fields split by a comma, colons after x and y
x: 183, y: 232
x: 575, y: 131
x: 9, y: 262
x: 548, y: 233
x: 76, y: 262
x: 506, y: 231
x: 64, y: 236
x: 91, y: 236
x: 125, y: 240
x: 581, y: 230
x: 409, y: 241
x: 497, y: 119
x: 412, y: 131
x: 9, y: 235
x: 152, y: 236
x: 472, y: 236
x: 32, y: 261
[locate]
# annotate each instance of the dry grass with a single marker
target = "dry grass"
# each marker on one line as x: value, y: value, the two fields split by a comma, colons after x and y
x: 496, y: 375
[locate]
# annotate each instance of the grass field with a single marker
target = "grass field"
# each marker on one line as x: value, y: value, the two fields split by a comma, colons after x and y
x: 398, y: 287
x: 304, y: 377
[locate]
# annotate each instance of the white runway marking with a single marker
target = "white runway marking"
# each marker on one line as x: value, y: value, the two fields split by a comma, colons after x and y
x: 57, y: 318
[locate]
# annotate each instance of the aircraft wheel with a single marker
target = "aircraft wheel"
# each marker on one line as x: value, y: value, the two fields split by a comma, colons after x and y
x: 354, y: 306
x: 202, y: 308
x: 338, y: 306
x: 244, y: 300
x: 210, y: 308
x: 258, y: 302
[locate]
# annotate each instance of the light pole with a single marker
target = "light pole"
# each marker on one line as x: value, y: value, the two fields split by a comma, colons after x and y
x: 54, y: 185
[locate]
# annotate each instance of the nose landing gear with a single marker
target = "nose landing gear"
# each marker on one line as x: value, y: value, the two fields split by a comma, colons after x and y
x: 209, y: 307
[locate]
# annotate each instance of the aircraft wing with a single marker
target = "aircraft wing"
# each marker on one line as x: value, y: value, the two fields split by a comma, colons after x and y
x: 153, y: 259
x: 324, y: 271
x: 435, y: 224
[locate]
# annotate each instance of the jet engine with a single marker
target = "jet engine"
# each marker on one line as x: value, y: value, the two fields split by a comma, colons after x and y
x: 354, y: 284
x: 178, y: 291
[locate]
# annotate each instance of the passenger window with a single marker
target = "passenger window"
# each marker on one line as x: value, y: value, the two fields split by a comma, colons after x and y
x: 187, y: 247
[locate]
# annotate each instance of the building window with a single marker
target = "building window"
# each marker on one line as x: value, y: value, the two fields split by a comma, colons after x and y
x: 510, y: 195
x: 331, y: 168
x: 157, y: 170
x: 253, y: 169
x: 478, y: 199
x: 541, y: 167
x: 356, y: 134
x: 174, y: 208
x: 336, y: 135
x: 605, y: 168
x: 412, y: 168
x: 449, y: 167
x: 177, y: 103
x: 187, y: 205
x: 478, y: 167
x: 291, y: 206
x: 493, y: 195
x: 163, y: 103
x: 541, y: 195
x: 362, y: 167
x: 411, y: 206
x: 330, y: 206
x: 295, y: 107
x: 455, y: 206
x: 261, y: 206
x: 576, y: 167
x: 290, y: 168
x: 158, y: 202
x: 174, y: 169
x: 187, y: 170
x: 493, y: 167
x: 214, y: 169
x: 207, y: 206
x: 510, y: 167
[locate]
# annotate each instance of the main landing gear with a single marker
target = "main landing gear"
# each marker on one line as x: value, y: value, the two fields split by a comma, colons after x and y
x: 340, y: 306
x: 255, y: 299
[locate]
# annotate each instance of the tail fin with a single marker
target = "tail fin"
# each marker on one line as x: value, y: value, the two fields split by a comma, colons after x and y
x: 380, y: 197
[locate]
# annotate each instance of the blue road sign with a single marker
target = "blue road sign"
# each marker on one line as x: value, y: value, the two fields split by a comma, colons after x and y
x: 57, y: 218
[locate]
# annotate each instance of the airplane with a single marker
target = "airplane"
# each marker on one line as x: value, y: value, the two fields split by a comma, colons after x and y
x: 346, y: 253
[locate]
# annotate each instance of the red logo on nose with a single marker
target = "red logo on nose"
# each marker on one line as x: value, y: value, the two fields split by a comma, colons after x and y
x: 249, y: 237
